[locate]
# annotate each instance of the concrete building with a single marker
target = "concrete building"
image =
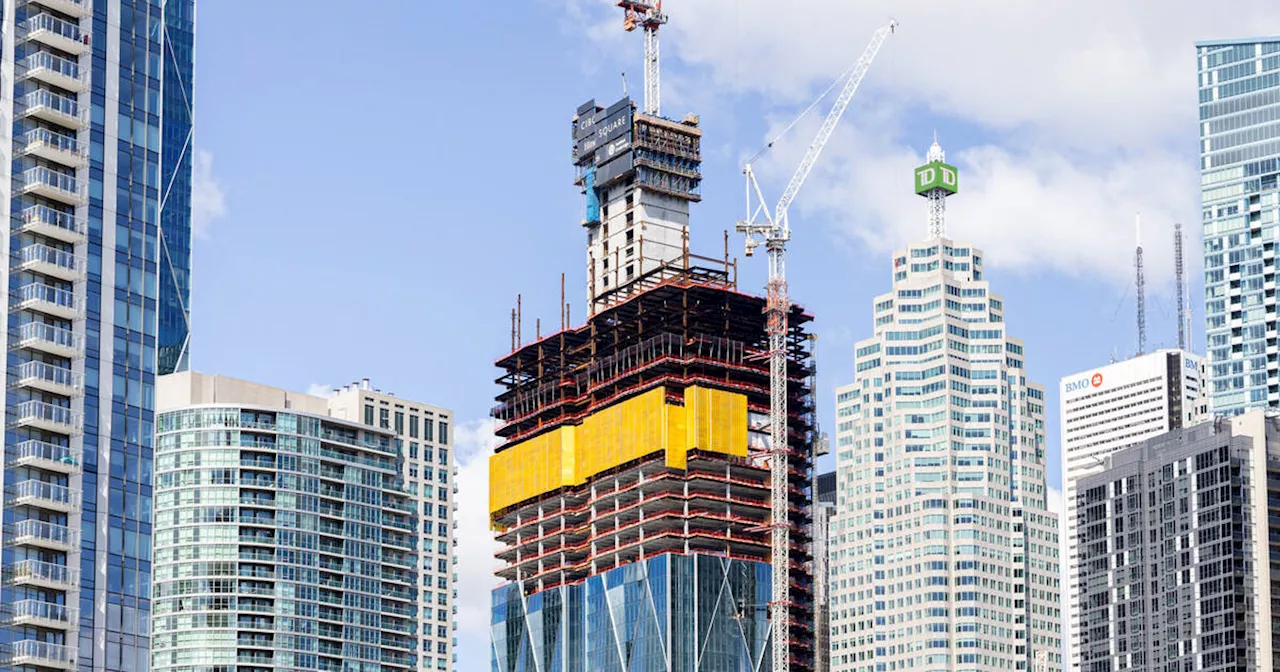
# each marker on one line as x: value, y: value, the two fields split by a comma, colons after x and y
x: 1239, y: 82
x: 322, y: 511
x: 422, y: 433
x: 944, y: 555
x: 95, y: 185
x: 1114, y: 406
x: 1177, y: 542
x: 629, y: 490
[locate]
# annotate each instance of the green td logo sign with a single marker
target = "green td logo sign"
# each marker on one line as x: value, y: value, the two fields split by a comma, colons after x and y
x: 936, y: 175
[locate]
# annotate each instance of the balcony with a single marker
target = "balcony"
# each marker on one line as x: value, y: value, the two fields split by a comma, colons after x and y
x: 50, y: 338
x: 40, y: 533
x: 76, y: 8
x: 35, y: 454
x: 54, y: 32
x: 40, y: 614
x: 50, y: 261
x: 48, y: 299
x: 29, y: 652
x: 46, y: 416
x: 54, y: 107
x: 32, y: 492
x: 37, y: 574
x: 51, y: 184
x: 63, y: 73
x: 48, y: 377
x: 47, y: 221
x: 56, y: 147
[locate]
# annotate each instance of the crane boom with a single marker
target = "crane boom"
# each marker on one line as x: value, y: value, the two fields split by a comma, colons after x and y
x: 774, y: 232
x: 829, y: 124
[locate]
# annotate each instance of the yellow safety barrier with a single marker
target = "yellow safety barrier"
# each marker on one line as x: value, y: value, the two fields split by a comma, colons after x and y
x: 710, y: 420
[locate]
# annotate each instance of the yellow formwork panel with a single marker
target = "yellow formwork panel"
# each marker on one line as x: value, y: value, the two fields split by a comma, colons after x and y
x: 711, y: 420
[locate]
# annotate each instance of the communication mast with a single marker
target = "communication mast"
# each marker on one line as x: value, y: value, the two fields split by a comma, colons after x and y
x: 649, y: 16
x: 773, y: 231
x: 936, y: 180
x: 1141, y: 283
x: 1184, y: 315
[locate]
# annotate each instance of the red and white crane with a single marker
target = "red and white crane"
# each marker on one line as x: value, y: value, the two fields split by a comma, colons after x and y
x: 773, y: 231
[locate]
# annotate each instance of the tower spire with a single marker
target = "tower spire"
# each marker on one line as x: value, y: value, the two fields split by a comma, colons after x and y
x: 936, y: 180
x: 1141, y: 282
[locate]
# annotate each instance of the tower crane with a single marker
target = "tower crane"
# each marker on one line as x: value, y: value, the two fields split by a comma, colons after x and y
x: 649, y: 16
x: 773, y: 231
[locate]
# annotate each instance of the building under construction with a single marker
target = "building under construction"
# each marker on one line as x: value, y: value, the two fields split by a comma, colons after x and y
x: 631, y: 489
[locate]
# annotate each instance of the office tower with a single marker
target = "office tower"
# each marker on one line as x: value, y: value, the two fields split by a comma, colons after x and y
x: 823, y: 510
x: 1239, y: 162
x: 285, y: 538
x: 1114, y: 406
x: 422, y: 433
x: 97, y: 139
x: 944, y: 555
x: 629, y: 490
x: 1177, y: 548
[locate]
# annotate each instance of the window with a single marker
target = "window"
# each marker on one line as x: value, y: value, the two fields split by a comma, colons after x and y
x: 368, y: 415
x: 444, y: 455
x: 428, y: 429
x: 413, y: 426
x: 384, y: 418
x: 444, y: 432
x: 413, y: 447
x: 399, y: 422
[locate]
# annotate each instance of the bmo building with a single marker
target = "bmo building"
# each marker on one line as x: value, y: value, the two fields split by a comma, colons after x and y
x: 1112, y: 407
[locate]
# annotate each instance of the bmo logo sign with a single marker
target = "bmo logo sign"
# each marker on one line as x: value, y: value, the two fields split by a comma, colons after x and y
x: 1084, y: 383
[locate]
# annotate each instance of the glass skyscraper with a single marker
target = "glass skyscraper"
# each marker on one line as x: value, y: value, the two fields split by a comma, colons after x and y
x: 98, y: 197
x: 1239, y: 83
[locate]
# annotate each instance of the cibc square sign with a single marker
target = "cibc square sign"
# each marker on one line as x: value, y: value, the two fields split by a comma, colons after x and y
x: 936, y: 175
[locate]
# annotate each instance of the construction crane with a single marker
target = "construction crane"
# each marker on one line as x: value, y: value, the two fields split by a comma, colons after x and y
x: 649, y: 16
x: 773, y: 231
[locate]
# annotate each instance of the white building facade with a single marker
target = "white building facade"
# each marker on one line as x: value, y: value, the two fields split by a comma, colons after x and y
x: 944, y: 555
x: 1112, y: 407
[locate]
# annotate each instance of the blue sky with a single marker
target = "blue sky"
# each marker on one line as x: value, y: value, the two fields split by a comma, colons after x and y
x: 375, y: 187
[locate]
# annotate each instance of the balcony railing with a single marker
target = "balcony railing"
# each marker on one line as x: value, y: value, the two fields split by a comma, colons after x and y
x: 53, y: 223
x: 51, y: 261
x: 40, y: 533
x: 54, y: 107
x: 57, y: 33
x: 46, y: 416
x: 54, y: 185
x: 60, y: 72
x: 43, y: 654
x: 39, y: 612
x: 43, y: 494
x: 39, y: 573
x: 49, y: 338
x: 45, y: 376
x: 49, y: 299
x: 44, y: 455
x: 47, y: 144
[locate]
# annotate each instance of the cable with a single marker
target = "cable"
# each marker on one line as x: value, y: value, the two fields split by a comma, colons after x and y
x: 807, y: 110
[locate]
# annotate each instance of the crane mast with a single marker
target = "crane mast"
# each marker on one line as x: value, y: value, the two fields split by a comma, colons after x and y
x: 774, y: 231
x: 648, y: 16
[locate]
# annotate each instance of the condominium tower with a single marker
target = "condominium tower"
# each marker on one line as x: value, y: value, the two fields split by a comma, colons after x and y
x: 287, y: 536
x: 1239, y: 84
x: 1114, y: 406
x: 629, y: 490
x: 423, y: 439
x: 1178, y: 551
x: 97, y: 138
x: 943, y: 553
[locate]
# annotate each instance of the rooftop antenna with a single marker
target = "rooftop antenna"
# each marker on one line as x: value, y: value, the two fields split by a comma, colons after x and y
x: 936, y: 180
x: 624, y: 84
x: 1141, y: 283
x: 1184, y: 319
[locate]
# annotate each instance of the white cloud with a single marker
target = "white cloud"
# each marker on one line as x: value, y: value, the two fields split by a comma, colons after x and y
x: 1092, y: 104
x: 322, y: 390
x: 474, y: 442
x: 208, y: 202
